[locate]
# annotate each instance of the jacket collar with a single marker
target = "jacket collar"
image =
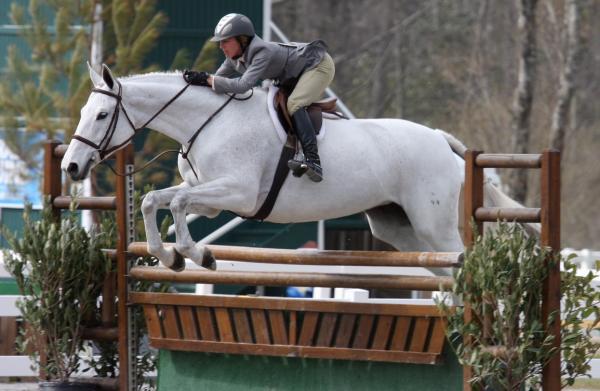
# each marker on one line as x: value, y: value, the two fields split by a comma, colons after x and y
x: 256, y: 41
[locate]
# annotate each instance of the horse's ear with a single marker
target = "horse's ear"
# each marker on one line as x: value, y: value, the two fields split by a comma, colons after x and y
x: 95, y: 76
x: 107, y: 76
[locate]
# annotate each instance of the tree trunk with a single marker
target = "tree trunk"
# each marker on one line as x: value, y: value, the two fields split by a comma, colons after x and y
x: 378, y: 74
x: 90, y: 184
x: 560, y: 117
x: 523, y: 98
x: 400, y: 55
x: 377, y: 88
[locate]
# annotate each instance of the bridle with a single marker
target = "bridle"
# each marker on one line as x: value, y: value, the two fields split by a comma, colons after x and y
x: 102, y: 146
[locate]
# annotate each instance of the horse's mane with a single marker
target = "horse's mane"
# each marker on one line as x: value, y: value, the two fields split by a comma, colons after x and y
x: 149, y: 75
x: 152, y: 75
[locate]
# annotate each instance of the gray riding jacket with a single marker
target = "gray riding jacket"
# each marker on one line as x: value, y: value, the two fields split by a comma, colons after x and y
x: 267, y: 60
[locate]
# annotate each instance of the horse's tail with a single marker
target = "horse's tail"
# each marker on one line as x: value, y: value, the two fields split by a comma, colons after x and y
x: 493, y: 196
x: 456, y: 145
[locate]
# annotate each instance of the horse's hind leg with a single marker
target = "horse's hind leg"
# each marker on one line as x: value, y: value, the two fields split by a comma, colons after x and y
x: 435, y: 219
x: 390, y: 224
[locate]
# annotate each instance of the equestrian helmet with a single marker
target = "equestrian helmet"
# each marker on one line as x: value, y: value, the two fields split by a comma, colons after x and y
x: 233, y: 25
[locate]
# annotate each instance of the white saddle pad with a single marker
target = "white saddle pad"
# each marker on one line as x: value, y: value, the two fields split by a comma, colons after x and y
x: 273, y: 114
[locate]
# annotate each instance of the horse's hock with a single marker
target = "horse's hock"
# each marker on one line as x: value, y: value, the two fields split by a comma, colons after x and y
x: 214, y: 340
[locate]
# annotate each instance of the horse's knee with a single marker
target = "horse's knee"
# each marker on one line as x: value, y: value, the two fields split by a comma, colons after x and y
x: 178, y: 204
x: 148, y: 203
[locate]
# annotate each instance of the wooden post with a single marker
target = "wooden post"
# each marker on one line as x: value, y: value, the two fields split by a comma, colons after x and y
x: 550, y: 237
x: 124, y: 158
x: 473, y: 199
x: 52, y: 188
x: 52, y: 175
x: 473, y: 195
x: 108, y: 300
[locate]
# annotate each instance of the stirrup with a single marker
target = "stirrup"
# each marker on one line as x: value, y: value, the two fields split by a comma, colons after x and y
x: 298, y: 167
x: 314, y: 172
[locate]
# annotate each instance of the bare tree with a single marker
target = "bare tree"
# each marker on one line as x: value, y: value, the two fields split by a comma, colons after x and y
x: 560, y: 117
x: 452, y: 65
x: 523, y: 99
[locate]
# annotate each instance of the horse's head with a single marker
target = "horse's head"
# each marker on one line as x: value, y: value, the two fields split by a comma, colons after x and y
x: 103, y: 128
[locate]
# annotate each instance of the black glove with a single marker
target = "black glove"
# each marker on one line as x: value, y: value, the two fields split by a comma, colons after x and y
x: 196, y: 78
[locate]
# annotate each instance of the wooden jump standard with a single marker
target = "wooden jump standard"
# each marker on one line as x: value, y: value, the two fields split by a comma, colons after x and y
x: 548, y: 215
x: 237, y: 324
x: 305, y: 328
x: 115, y: 313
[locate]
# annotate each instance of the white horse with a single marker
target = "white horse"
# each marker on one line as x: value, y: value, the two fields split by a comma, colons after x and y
x: 389, y: 168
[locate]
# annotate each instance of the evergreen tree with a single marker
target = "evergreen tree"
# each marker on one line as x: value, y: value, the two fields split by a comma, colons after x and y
x: 131, y: 30
x: 44, y: 95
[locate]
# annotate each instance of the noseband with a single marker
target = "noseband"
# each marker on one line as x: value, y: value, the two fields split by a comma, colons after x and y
x: 102, y: 146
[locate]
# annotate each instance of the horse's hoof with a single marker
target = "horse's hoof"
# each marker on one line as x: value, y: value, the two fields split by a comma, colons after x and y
x: 178, y: 263
x: 208, y: 260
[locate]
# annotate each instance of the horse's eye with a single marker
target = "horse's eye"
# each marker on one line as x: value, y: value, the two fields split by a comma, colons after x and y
x: 101, y: 115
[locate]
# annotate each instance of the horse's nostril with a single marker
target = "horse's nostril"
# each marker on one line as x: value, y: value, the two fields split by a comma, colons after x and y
x: 72, y: 169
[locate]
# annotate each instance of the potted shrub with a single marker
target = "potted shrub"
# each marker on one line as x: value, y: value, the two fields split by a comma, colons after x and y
x: 511, y: 344
x: 59, y: 269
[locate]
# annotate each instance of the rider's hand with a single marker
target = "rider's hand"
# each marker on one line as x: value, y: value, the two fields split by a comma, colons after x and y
x: 196, y: 78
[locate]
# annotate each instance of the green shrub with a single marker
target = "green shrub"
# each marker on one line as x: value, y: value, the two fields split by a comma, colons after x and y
x: 59, y: 268
x: 502, y: 277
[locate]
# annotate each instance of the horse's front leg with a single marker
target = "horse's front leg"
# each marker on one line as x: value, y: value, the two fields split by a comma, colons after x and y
x: 154, y: 200
x: 207, y: 199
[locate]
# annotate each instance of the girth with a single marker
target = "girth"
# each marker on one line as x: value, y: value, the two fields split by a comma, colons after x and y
x: 281, y: 173
x: 289, y: 149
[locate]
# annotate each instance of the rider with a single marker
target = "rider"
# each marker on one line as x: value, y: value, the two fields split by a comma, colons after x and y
x: 304, y: 70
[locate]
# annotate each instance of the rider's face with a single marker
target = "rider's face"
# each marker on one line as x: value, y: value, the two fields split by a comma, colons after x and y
x: 231, y: 47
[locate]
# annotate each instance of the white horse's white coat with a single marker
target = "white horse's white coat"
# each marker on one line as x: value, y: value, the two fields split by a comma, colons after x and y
x: 373, y: 165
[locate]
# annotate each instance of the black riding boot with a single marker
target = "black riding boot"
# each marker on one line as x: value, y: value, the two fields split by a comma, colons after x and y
x: 306, y: 134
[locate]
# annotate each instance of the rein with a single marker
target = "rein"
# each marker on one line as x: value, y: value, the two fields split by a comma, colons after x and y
x: 102, y: 149
x: 184, y: 154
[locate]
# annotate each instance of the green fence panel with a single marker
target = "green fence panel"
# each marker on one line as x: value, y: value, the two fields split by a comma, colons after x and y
x: 217, y: 372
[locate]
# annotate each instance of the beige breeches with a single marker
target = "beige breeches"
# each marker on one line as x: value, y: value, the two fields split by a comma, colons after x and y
x: 311, y: 85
